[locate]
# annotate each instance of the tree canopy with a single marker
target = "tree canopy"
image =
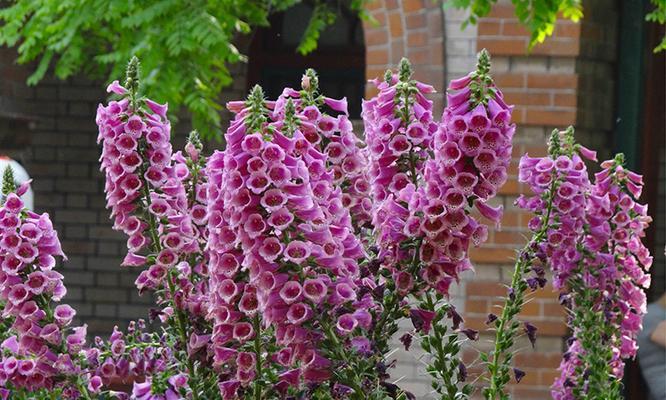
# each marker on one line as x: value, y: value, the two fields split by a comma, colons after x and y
x: 185, y: 46
x: 540, y: 16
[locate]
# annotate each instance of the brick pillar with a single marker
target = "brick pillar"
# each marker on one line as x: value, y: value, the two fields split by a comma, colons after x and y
x: 406, y: 28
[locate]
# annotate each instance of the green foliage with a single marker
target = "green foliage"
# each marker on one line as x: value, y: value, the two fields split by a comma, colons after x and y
x: 322, y: 16
x: 538, y: 16
x: 658, y: 15
x: 185, y: 46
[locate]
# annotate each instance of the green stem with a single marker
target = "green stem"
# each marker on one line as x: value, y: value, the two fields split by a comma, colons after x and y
x: 84, y: 391
x: 257, y: 352
x: 393, y: 306
x: 590, y: 328
x: 351, y: 378
x: 506, y: 327
x: 445, y: 363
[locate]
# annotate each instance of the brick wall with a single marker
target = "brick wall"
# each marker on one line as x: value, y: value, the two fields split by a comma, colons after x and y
x: 406, y: 28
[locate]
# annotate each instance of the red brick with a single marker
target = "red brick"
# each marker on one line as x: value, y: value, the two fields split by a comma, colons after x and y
x: 488, y: 28
x: 523, y: 393
x: 514, y: 29
x: 530, y: 309
x: 412, y: 5
x: 415, y: 21
x: 518, y: 115
x: 375, y: 37
x: 510, y: 219
x: 370, y: 91
x: 546, y: 377
x: 509, y: 80
x: 502, y: 11
x: 527, y: 99
x: 377, y: 57
x: 559, y: 118
x: 513, y: 168
x: 435, y: 27
x: 395, y: 25
x: 478, y: 323
x: 397, y: 52
x: 379, y: 17
x: 373, y: 5
x: 536, y: 151
x: 546, y: 293
x: 511, y: 187
x: 553, y: 310
x: 503, y: 47
x: 392, y: 4
x: 419, y: 56
x: 554, y: 47
x: 538, y: 360
x: 551, y: 328
x: 374, y: 72
x: 565, y: 100
x: 476, y: 306
x: 485, y: 289
x: 566, y: 29
x: 508, y: 237
x: 552, y: 81
x: 436, y: 55
x: 492, y: 255
x: 416, y: 39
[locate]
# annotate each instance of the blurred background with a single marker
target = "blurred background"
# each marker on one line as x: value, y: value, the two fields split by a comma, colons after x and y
x: 599, y: 74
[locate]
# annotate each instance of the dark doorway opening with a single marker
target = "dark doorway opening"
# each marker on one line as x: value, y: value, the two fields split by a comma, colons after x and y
x: 339, y: 58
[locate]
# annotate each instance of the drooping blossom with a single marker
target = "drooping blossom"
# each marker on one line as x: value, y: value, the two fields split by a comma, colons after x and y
x: 605, y: 291
x: 39, y: 345
x: 332, y: 134
x: 426, y: 178
x: 282, y: 249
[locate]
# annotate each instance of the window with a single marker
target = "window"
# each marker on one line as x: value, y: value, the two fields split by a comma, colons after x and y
x: 339, y: 59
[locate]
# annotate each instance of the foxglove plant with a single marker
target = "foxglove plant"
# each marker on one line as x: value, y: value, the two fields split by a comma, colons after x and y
x: 283, y: 259
x: 41, y: 350
x: 282, y: 264
x: 593, y: 246
x: 604, y: 292
x: 158, y: 199
x: 428, y: 179
x: 559, y: 182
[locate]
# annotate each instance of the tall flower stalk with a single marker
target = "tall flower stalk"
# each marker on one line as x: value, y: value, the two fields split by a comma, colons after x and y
x: 604, y: 292
x: 284, y: 257
x: 558, y: 182
x: 428, y: 178
x: 156, y: 199
x: 40, y: 352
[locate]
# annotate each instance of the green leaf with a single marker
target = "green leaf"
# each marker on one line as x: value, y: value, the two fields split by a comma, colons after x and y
x: 41, y: 68
x: 322, y: 16
x: 185, y: 47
